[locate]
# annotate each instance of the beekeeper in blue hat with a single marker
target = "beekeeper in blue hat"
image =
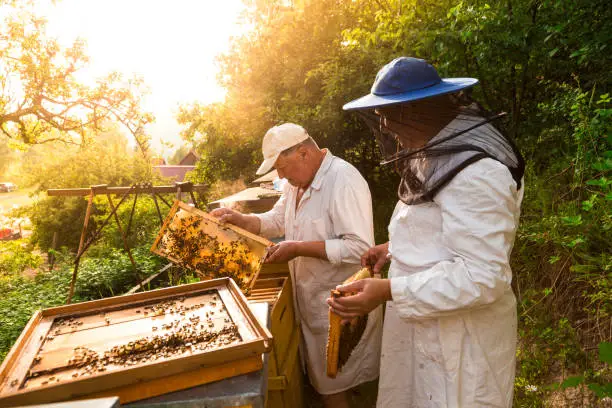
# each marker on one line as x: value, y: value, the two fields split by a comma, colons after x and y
x: 450, y: 329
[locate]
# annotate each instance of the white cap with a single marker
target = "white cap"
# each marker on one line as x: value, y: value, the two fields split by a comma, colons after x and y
x: 278, y: 139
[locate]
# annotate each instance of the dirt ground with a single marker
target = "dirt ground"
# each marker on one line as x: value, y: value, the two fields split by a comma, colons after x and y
x: 14, y: 199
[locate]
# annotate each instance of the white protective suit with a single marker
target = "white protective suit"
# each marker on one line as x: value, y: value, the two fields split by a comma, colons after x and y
x: 337, y: 209
x: 449, y: 337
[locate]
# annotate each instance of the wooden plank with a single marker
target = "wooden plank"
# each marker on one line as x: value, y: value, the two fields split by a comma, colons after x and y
x: 277, y: 383
x: 265, y: 283
x: 81, y: 192
x: 246, y: 313
x: 148, y: 280
x: 113, y: 303
x: 242, y: 323
x: 143, y: 386
x: 136, y: 312
x: 282, y: 322
x: 14, y: 369
x: 181, y: 381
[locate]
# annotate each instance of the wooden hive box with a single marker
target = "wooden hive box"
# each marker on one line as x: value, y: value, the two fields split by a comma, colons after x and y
x: 135, y: 346
x: 198, y: 241
x: 285, y: 378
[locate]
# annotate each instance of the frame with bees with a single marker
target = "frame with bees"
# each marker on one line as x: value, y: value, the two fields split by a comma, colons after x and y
x: 196, y: 240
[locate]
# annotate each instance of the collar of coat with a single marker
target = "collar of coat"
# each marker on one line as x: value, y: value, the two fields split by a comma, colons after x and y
x: 323, y: 169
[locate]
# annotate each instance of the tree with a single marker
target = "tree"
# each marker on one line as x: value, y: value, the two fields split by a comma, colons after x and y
x: 107, y: 159
x: 41, y: 99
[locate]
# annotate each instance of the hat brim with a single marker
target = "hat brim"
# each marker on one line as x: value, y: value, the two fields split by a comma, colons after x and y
x: 267, y: 165
x: 446, y: 86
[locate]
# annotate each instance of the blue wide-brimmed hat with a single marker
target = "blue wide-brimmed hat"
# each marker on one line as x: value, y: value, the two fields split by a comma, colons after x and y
x: 407, y: 79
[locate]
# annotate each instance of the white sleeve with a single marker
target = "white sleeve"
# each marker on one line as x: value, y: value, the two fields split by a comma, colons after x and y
x: 351, y: 216
x: 273, y: 221
x: 479, y: 218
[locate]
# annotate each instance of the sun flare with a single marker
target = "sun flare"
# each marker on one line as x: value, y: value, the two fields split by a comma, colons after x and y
x: 171, y: 45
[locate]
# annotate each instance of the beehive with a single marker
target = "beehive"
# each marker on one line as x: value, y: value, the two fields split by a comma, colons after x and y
x: 135, y: 346
x: 285, y: 378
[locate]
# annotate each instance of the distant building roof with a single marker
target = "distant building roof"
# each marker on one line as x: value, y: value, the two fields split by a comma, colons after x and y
x: 190, y: 159
x: 177, y: 172
x: 158, y: 161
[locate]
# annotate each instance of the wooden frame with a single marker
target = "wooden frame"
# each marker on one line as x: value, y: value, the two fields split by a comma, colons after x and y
x: 224, y: 233
x: 137, y: 381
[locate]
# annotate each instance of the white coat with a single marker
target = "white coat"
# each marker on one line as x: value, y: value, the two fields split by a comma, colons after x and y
x: 449, y: 337
x: 337, y: 209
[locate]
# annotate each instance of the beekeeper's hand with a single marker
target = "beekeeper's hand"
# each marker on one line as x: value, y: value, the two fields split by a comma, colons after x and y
x: 376, y: 257
x: 369, y: 294
x: 250, y: 223
x: 282, y: 252
x: 227, y: 215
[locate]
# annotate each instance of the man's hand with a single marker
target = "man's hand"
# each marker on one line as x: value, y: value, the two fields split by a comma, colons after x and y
x: 248, y: 222
x: 370, y: 294
x: 227, y: 215
x: 282, y: 252
x: 376, y: 257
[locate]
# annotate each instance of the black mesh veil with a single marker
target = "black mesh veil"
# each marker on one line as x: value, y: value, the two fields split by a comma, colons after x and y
x: 468, y: 137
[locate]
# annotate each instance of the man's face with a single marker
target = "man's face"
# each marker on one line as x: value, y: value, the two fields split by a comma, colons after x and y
x: 294, y: 167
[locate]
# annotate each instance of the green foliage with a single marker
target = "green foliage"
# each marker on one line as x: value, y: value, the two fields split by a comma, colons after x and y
x: 63, y: 215
x: 15, y: 257
x: 112, y: 273
x: 21, y: 297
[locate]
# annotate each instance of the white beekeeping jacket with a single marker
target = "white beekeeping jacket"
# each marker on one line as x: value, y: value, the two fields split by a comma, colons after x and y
x: 449, y: 336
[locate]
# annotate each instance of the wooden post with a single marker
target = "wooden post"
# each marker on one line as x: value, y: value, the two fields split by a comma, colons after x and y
x: 123, y: 237
x: 181, y: 186
x: 193, y: 199
x: 127, y: 232
x: 81, y: 242
x: 161, y: 219
x: 52, y: 254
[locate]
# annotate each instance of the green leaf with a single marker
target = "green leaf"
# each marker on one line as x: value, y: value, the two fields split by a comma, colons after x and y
x: 602, y: 391
x: 553, y: 259
x: 572, y: 221
x: 572, y: 382
x: 601, y: 182
x: 605, y: 352
x: 575, y: 242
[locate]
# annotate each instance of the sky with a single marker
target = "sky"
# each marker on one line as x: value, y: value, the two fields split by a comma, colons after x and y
x: 172, y: 45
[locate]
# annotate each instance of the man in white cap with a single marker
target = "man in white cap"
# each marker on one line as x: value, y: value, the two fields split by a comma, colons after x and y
x: 325, y: 215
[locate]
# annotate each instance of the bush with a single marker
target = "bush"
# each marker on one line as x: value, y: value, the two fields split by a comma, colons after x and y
x: 111, y: 273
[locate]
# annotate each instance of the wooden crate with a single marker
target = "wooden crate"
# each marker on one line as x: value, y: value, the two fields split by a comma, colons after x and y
x: 196, y: 240
x: 204, y: 332
x: 285, y: 378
